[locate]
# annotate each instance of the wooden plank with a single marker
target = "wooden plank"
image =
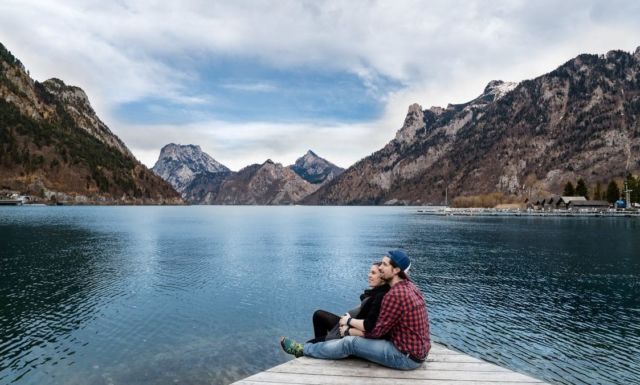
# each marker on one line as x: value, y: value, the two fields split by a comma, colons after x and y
x: 312, y: 379
x: 453, y: 358
x: 379, y: 372
x: 432, y: 358
x: 292, y: 381
x: 444, y: 359
x: 355, y: 362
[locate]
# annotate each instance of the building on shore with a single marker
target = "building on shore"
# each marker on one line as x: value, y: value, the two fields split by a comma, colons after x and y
x: 585, y: 205
x: 563, y: 202
x: 534, y: 203
x: 557, y: 202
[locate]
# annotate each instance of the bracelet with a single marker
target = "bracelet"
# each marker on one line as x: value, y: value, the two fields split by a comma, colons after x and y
x: 346, y: 332
x: 349, y: 321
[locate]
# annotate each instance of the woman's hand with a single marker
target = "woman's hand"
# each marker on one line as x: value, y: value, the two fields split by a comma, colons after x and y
x: 343, y: 329
x: 344, y: 319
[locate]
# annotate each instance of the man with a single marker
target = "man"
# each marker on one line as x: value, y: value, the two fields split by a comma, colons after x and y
x: 403, y: 320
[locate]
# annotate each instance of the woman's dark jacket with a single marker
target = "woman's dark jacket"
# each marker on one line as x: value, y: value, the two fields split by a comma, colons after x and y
x: 370, y: 306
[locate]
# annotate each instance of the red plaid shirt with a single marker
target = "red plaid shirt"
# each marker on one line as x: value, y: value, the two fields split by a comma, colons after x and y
x: 403, y: 317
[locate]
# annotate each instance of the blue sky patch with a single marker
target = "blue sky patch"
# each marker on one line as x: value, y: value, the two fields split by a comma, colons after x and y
x: 243, y: 90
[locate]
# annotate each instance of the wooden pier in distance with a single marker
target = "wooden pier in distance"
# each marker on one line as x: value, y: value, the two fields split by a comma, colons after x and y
x: 443, y: 366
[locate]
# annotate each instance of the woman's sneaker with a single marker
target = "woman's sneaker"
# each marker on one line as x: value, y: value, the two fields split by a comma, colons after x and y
x: 292, y: 347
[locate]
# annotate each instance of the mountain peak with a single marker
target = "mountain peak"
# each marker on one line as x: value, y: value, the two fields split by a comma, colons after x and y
x: 55, y: 82
x: 69, y: 94
x: 179, y: 150
x: 412, y: 123
x: 498, y: 88
x: 314, y: 169
x: 180, y: 164
x: 7, y: 56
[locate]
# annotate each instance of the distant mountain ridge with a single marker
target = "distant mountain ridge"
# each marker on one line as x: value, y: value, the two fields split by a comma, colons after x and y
x: 268, y: 183
x: 54, y: 147
x: 203, y: 180
x: 581, y: 120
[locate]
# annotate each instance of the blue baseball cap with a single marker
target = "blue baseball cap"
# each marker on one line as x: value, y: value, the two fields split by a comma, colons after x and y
x: 401, y: 259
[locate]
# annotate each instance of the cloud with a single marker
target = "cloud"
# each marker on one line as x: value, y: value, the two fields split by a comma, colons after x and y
x: 125, y: 53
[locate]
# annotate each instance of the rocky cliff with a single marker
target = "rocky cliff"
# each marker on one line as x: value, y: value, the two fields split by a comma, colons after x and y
x: 314, y: 169
x: 53, y: 146
x: 180, y: 165
x: 259, y: 184
x: 581, y: 120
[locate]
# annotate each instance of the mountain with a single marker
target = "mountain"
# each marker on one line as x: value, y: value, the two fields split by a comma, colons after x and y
x: 181, y: 164
x: 54, y: 147
x: 260, y: 184
x: 581, y: 120
x: 202, y: 180
x: 314, y: 169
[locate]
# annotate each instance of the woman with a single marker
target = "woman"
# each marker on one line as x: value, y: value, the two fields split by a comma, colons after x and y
x: 326, y: 326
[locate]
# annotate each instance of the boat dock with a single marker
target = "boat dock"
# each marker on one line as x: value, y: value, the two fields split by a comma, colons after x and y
x: 11, y: 202
x: 443, y: 366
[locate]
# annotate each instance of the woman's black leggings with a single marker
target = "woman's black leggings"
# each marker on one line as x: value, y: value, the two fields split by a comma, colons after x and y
x: 323, y: 321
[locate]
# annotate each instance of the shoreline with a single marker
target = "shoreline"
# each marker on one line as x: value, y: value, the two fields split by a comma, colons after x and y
x: 484, y: 212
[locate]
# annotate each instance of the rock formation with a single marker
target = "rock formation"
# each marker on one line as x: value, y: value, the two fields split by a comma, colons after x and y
x: 54, y: 147
x: 581, y: 120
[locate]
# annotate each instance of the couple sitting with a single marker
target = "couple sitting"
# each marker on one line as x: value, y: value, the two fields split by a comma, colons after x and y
x: 393, y: 333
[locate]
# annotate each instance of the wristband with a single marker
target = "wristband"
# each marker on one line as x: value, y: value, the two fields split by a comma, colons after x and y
x: 346, y: 332
x: 349, y: 321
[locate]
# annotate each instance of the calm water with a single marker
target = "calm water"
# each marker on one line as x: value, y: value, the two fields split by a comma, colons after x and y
x: 198, y: 295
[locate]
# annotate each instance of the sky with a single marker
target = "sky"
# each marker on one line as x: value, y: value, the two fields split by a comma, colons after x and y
x: 255, y: 80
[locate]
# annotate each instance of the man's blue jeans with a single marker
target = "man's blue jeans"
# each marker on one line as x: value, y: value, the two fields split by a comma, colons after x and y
x: 382, y: 352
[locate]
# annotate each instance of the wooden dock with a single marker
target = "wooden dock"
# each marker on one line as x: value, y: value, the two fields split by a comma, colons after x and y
x: 11, y: 202
x: 443, y: 366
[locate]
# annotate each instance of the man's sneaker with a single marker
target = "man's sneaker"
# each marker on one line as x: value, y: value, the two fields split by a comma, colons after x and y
x: 292, y: 347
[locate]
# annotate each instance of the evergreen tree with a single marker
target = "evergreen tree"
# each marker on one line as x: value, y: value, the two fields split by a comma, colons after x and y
x: 569, y: 191
x: 581, y: 189
x: 613, y: 192
x: 597, y: 193
x: 632, y: 184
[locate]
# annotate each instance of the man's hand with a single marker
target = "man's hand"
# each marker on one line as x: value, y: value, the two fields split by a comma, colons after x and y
x: 344, y: 319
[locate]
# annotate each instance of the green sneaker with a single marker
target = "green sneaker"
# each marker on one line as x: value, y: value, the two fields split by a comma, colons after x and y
x: 292, y: 347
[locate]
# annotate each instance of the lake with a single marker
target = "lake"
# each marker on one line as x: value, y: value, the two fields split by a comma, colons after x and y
x: 201, y: 294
